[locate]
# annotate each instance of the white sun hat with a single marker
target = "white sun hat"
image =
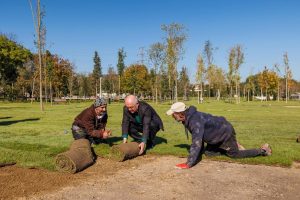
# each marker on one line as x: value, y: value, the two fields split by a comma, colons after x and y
x: 177, y: 107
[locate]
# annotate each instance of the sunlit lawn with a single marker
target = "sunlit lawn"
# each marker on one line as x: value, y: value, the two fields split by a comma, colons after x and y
x: 32, y: 138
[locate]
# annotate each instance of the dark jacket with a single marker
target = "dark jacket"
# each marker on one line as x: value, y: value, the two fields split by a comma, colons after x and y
x: 205, y: 128
x: 147, y: 114
x: 91, y: 123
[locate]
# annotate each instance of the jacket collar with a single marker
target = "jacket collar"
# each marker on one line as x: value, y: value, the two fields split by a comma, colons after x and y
x: 189, y: 113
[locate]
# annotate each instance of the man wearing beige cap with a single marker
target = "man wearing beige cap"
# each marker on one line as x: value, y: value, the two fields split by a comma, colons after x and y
x: 216, y: 132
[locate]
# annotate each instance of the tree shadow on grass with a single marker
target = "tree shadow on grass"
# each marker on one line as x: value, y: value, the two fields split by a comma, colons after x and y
x: 159, y: 140
x: 5, y: 123
x: 5, y: 117
x: 115, y: 140
x: 186, y: 146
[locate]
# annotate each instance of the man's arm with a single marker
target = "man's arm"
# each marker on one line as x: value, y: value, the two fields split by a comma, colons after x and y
x: 197, y: 142
x: 146, y: 125
x: 125, y: 125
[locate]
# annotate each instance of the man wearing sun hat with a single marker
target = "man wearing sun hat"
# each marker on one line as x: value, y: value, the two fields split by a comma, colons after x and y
x: 90, y: 123
x: 216, y: 132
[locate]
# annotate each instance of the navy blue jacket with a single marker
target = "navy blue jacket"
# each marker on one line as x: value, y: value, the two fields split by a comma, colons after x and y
x: 205, y: 128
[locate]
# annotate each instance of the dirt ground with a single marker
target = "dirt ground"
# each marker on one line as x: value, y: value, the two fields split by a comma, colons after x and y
x: 152, y: 177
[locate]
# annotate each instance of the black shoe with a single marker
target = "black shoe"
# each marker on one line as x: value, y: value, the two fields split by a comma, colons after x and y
x: 150, y: 145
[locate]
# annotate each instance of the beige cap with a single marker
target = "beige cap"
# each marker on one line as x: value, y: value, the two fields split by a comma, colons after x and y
x: 177, y: 107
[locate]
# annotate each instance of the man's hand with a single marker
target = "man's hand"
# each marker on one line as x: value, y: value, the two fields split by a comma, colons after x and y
x: 106, y: 134
x: 182, y: 166
x: 142, y: 146
x: 124, y: 140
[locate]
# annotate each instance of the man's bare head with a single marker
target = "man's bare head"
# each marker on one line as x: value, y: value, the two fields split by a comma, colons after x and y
x: 132, y: 103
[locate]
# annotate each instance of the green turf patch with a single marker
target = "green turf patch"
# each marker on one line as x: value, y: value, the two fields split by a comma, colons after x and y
x: 33, y: 138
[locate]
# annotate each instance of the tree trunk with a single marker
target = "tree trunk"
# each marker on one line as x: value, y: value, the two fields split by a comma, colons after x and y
x: 96, y: 88
x: 100, y: 87
x: 175, y: 92
x: 286, y: 89
x: 231, y: 92
x: 201, y: 93
x: 119, y: 85
x: 248, y: 97
x: 156, y: 85
x: 51, y: 96
x: 32, y: 91
x: 278, y: 92
x: 236, y: 92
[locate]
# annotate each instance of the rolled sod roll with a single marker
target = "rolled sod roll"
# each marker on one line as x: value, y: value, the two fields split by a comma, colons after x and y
x: 298, y: 139
x: 125, y: 151
x: 76, y: 159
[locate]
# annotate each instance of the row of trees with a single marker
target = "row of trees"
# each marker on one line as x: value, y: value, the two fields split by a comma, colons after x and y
x: 21, y: 71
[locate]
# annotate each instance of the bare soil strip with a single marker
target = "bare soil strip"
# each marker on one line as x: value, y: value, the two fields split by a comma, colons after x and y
x: 151, y: 177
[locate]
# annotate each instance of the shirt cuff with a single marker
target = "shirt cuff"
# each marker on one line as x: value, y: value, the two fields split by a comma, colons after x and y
x: 125, y: 135
x: 144, y: 140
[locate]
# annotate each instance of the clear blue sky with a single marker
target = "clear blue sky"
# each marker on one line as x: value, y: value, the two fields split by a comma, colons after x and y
x: 75, y: 29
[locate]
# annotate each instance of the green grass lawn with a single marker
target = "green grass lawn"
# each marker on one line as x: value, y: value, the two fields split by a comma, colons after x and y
x: 32, y: 138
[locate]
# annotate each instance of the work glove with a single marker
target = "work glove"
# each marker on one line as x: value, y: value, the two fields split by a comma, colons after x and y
x: 182, y: 166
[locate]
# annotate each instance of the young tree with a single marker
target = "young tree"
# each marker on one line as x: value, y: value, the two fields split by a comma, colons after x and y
x: 276, y: 66
x: 121, y: 65
x: 184, y: 82
x: 288, y: 76
x: 110, y: 80
x: 50, y: 61
x: 208, y: 55
x: 85, y: 86
x: 219, y: 81
x: 37, y: 20
x: 200, y: 77
x: 13, y: 56
x: 210, y: 77
x: 176, y: 35
x: 268, y: 81
x: 236, y: 59
x: 230, y: 73
x: 250, y: 86
x: 25, y: 76
x: 135, y: 79
x: 157, y: 56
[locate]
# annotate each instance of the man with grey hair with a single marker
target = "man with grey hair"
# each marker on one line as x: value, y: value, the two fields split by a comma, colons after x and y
x: 141, y: 122
x: 90, y: 123
x: 216, y: 132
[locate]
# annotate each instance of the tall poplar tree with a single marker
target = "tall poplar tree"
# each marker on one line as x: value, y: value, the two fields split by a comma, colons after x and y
x: 200, y: 77
x: 176, y: 35
x: 157, y: 56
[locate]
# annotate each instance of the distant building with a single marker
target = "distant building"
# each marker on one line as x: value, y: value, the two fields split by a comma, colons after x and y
x: 295, y: 96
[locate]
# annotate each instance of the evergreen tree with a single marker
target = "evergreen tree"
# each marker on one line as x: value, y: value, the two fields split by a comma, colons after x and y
x: 97, y: 71
x: 121, y: 65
